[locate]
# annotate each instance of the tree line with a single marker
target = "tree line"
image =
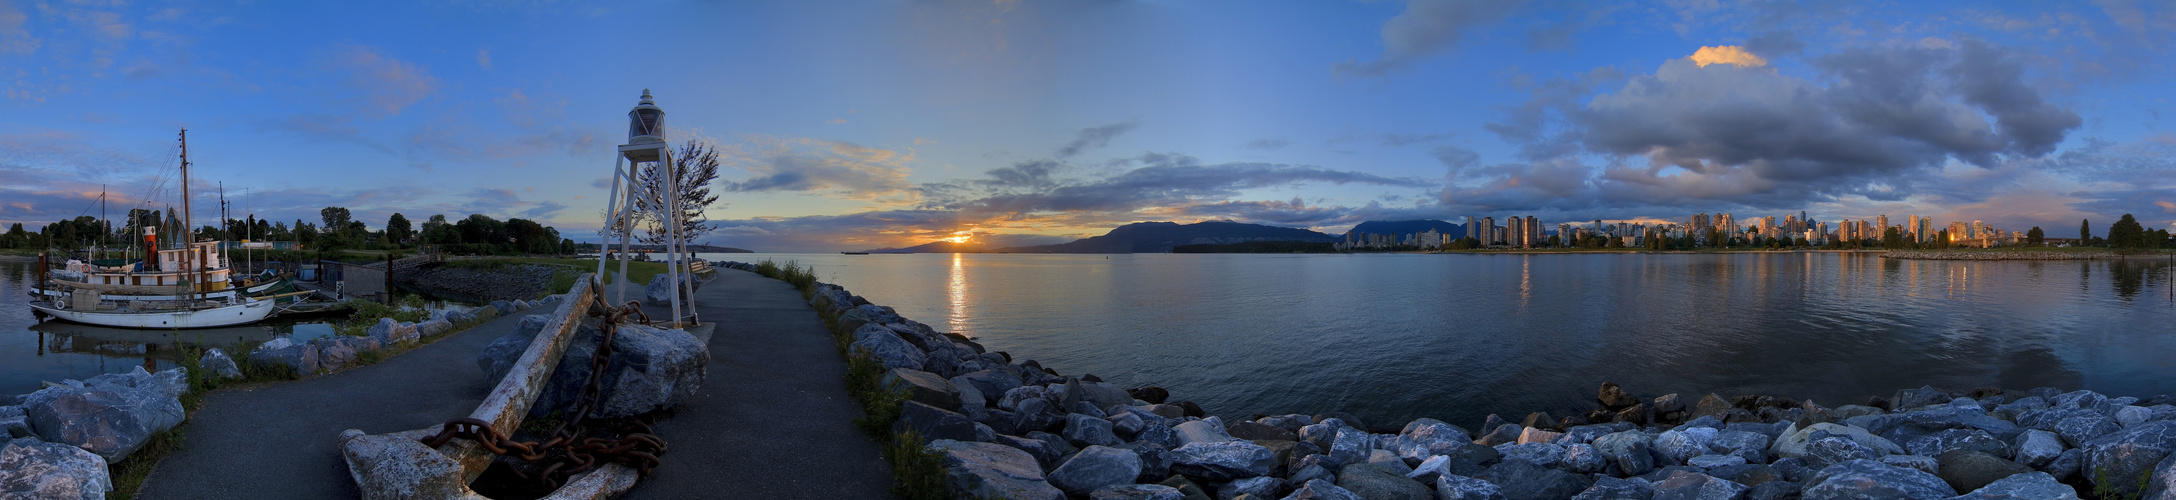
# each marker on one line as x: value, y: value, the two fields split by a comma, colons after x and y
x: 335, y: 230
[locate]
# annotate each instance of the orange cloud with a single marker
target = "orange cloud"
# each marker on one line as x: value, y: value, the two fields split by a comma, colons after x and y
x: 1727, y: 54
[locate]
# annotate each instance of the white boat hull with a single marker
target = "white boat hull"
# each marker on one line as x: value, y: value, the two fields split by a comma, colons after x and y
x: 219, y: 295
x: 238, y: 314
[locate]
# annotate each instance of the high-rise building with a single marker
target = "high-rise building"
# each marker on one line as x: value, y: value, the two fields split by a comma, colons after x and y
x: 1911, y: 228
x: 1472, y: 231
x: 1881, y: 226
x: 1533, y: 233
x: 1488, y: 231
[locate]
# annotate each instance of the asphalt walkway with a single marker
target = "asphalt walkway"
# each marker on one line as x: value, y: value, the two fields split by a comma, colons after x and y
x: 773, y: 419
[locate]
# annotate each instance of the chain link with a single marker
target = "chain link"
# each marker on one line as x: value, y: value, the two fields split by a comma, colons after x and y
x: 567, y: 451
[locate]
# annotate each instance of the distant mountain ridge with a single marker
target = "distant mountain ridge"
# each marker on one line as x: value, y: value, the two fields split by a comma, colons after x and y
x: 1407, y: 227
x: 1157, y: 237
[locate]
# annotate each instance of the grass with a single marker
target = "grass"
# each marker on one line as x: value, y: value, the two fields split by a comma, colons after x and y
x: 802, y: 278
x: 918, y: 472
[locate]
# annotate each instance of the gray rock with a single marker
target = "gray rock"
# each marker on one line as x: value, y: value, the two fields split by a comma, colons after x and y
x: 30, y: 468
x: 1506, y: 433
x: 1253, y: 487
x: 218, y: 365
x: 1044, y: 452
x: 1321, y: 490
x: 390, y: 332
x: 2162, y: 485
x: 1681, y: 445
x: 1522, y: 481
x: 1583, y: 459
x: 15, y: 426
x: 333, y: 355
x: 2037, y: 448
x: 1687, y: 485
x: 1863, y: 479
x: 504, y: 307
x: 1924, y: 464
x: 1456, y: 487
x: 1970, y: 470
x: 1374, y: 482
x: 109, y: 416
x: 1257, y: 431
x: 1835, y: 450
x: 2066, y: 465
x: 1542, y: 454
x: 388, y: 466
x: 1086, y: 430
x: 1923, y: 396
x: 1222, y: 461
x: 1155, y: 465
x: 887, y: 347
x: 1628, y: 451
x: 984, y: 470
x: 1105, y: 395
x: 651, y: 369
x: 301, y: 358
x: 1136, y: 492
x: 1443, y: 465
x: 2080, y: 426
x: 2122, y: 462
x: 1200, y: 431
x: 1610, y: 488
x: 660, y: 291
x: 1094, y: 468
x: 925, y: 387
x: 458, y: 316
x: 934, y: 423
x: 2030, y: 485
x: 1749, y: 445
x: 1715, y: 461
x: 499, y: 356
x: 1773, y: 490
x: 434, y: 327
x: 1934, y: 445
x: 1793, y: 444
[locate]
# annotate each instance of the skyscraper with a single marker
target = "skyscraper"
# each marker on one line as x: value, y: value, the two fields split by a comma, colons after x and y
x: 1881, y: 226
x: 1471, y: 230
x: 1533, y: 233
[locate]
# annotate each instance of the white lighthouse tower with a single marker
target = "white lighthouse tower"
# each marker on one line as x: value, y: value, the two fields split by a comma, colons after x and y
x: 646, y: 144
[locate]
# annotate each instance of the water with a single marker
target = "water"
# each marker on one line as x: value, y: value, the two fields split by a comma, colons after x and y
x: 1390, y: 337
x: 33, y: 352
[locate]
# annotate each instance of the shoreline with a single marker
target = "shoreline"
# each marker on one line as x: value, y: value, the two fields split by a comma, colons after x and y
x: 990, y: 418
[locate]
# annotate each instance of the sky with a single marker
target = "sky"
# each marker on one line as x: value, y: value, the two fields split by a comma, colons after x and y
x: 858, y: 125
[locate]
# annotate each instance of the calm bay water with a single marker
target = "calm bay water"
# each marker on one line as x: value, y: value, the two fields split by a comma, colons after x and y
x: 33, y: 352
x: 1390, y: 337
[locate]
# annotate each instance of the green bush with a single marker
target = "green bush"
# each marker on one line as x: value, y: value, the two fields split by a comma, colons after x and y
x: 919, y: 471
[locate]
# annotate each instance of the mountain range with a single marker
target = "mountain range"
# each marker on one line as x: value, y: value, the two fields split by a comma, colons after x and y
x: 1142, y: 237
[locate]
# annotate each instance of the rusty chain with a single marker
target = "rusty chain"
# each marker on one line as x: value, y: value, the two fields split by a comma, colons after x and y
x: 566, y: 451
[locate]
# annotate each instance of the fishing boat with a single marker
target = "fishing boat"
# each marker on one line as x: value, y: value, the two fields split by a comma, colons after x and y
x: 187, y: 287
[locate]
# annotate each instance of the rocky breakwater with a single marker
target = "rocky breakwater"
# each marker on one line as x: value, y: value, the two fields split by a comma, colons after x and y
x: 1007, y: 429
x: 337, y: 352
x: 2011, y: 255
x: 57, y: 442
x: 479, y: 283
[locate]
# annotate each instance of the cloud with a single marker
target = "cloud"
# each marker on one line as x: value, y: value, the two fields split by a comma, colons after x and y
x: 1426, y: 28
x: 15, y: 38
x: 832, y: 168
x: 1095, y: 137
x: 483, y: 59
x: 329, y: 127
x: 389, y: 85
x: 1268, y: 144
x: 1410, y: 139
x: 1727, y: 54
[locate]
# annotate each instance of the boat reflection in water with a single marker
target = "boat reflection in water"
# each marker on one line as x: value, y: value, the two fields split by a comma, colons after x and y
x: 163, y: 345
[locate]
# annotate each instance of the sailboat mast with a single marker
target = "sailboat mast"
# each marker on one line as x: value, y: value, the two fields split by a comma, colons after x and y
x: 188, y: 227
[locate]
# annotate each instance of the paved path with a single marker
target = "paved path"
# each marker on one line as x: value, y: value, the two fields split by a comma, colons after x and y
x: 773, y: 419
x: 278, y: 440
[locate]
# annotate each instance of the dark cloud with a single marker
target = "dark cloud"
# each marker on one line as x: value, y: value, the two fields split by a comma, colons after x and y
x: 1268, y: 144
x: 1095, y: 137
x: 1775, y: 45
x: 834, y: 168
x: 1031, y: 174
x: 1426, y: 28
x: 1169, y: 180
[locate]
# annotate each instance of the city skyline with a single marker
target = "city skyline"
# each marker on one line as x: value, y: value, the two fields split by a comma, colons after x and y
x: 1020, y: 123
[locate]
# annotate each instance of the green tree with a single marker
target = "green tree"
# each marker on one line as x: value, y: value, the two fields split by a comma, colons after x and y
x: 398, y: 230
x: 2085, y: 230
x: 2127, y: 234
x: 335, y: 218
x: 2035, y: 236
x: 305, y: 233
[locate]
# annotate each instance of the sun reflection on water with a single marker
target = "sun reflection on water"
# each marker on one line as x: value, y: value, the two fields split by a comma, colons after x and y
x: 956, y: 292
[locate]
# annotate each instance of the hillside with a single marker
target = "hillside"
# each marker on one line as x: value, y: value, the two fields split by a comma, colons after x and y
x: 1156, y: 237
x: 1407, y: 227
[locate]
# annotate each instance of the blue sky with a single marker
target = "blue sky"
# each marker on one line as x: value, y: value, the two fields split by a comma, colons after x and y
x: 850, y: 125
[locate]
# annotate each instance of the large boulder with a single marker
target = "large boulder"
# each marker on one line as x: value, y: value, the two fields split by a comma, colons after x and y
x: 1688, y: 485
x: 434, y: 327
x: 2030, y: 485
x: 926, y: 387
x: 1087, y: 430
x: 396, y: 466
x: 334, y: 354
x: 1223, y: 461
x: 1859, y: 479
x: 1524, y: 481
x: 499, y: 356
x: 2037, y: 447
x: 651, y: 369
x: 1094, y: 468
x: 933, y: 423
x: 1201, y: 431
x: 110, y: 415
x: 1628, y: 450
x: 2121, y: 463
x: 217, y: 365
x: 30, y: 468
x: 1428, y: 437
x: 1793, y: 443
x: 1970, y: 470
x: 300, y: 358
x: 886, y: 345
x: 1374, y: 482
x: 659, y: 291
x: 1137, y: 492
x: 984, y: 470
x: 390, y: 332
x: 1605, y: 488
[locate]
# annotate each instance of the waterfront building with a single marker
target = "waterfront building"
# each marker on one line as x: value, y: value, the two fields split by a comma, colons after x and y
x: 1488, y: 231
x: 1533, y: 233
x: 1472, y: 231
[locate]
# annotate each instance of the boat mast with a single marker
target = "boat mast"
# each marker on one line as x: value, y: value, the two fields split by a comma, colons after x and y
x: 188, y: 227
x: 103, y: 227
